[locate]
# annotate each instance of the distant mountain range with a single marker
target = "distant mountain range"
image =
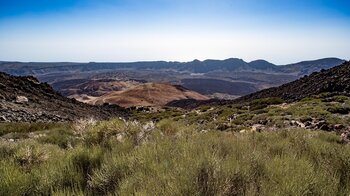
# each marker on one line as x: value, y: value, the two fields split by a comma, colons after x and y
x: 26, y: 99
x: 196, y: 66
x: 223, y: 79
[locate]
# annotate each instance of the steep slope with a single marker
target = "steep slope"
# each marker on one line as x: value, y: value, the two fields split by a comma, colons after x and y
x: 26, y: 99
x: 308, y: 67
x: 149, y: 94
x: 335, y: 80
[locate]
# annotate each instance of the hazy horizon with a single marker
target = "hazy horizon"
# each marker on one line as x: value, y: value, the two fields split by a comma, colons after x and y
x: 280, y: 32
x: 140, y: 61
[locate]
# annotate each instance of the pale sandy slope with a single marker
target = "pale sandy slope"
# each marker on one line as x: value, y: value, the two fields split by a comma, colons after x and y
x: 149, y: 94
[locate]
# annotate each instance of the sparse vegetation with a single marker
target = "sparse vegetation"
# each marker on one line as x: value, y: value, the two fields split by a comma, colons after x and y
x: 171, y: 158
x: 259, y: 148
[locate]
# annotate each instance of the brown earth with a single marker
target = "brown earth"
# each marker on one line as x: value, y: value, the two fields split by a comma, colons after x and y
x: 149, y: 94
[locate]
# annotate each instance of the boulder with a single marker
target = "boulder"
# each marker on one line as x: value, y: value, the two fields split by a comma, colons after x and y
x: 338, y: 127
x: 263, y: 122
x: 345, y: 137
x: 3, y: 119
x: 297, y: 124
x: 322, y: 125
x: 21, y: 99
x: 257, y: 128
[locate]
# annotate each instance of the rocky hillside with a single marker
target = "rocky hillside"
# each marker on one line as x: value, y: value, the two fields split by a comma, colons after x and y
x: 335, y: 80
x: 25, y: 99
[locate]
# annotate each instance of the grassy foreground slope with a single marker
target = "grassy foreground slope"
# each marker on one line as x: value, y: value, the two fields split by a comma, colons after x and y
x: 169, y: 158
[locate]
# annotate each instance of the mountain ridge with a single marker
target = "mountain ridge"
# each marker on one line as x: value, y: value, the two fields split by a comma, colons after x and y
x: 195, y: 66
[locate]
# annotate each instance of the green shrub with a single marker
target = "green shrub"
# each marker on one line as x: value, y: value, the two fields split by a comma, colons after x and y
x: 27, y: 127
x: 64, y: 138
x: 339, y: 99
x: 268, y: 101
x: 30, y: 155
x: 85, y: 160
x: 310, y: 99
x: 106, y: 179
x: 339, y: 110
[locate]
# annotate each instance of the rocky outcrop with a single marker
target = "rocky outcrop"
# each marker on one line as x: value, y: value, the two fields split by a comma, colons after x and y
x: 25, y: 99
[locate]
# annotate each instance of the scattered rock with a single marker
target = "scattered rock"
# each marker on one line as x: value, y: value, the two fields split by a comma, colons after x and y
x: 3, y: 119
x: 148, y: 126
x: 306, y: 120
x: 25, y: 99
x: 325, y: 127
x: 345, y: 137
x: 297, y: 124
x: 321, y: 124
x: 21, y: 99
x: 263, y: 122
x: 257, y: 128
x: 338, y: 127
x: 120, y: 137
x: 204, y: 131
x: 243, y: 131
x: 232, y: 117
x: 308, y: 124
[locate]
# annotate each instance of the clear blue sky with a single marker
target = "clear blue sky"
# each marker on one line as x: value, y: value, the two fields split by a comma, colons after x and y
x: 281, y: 31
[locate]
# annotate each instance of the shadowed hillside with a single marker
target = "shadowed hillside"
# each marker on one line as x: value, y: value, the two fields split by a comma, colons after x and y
x: 335, y: 80
x: 26, y: 99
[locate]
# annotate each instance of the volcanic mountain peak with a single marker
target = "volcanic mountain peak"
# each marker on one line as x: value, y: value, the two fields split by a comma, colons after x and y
x: 262, y: 64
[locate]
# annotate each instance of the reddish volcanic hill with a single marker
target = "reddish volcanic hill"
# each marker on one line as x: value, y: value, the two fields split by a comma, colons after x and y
x: 149, y: 94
